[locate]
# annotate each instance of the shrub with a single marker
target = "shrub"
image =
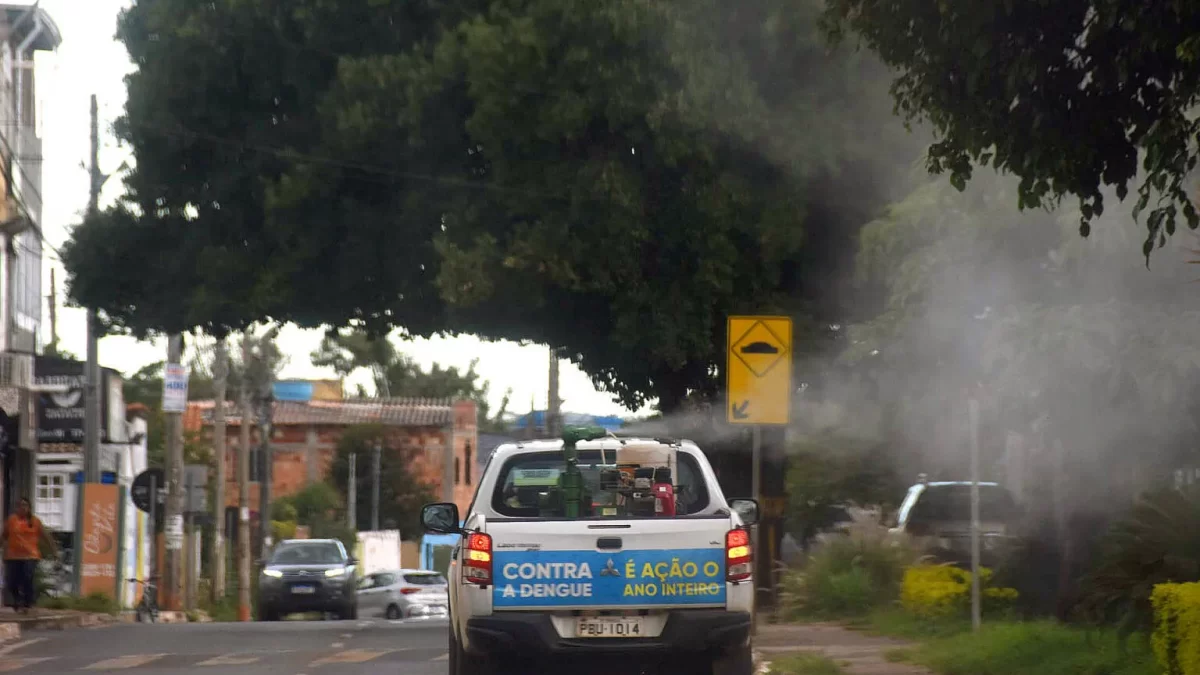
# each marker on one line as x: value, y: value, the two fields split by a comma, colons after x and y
x: 1176, y: 636
x: 96, y: 603
x: 1154, y: 544
x: 846, y: 577
x: 941, y: 591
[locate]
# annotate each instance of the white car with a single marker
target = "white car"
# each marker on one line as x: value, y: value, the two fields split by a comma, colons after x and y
x: 532, y: 582
x: 402, y: 594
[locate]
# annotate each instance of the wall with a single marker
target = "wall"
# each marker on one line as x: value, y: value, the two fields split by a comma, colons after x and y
x: 304, y: 454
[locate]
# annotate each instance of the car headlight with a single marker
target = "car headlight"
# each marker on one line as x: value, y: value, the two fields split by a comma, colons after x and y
x: 274, y: 574
x: 336, y: 572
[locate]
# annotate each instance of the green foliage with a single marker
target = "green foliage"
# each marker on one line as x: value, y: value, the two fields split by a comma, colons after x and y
x: 320, y: 507
x: 1176, y: 637
x: 1152, y: 545
x: 612, y: 178
x: 401, y: 492
x: 1015, y: 86
x: 314, y: 503
x: 804, y: 664
x: 846, y: 577
x: 829, y: 471
x: 938, y: 592
x: 1036, y: 647
x: 96, y: 603
x: 398, y: 375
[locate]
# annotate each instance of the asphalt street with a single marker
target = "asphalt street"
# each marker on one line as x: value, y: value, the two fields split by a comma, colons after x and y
x: 413, y: 647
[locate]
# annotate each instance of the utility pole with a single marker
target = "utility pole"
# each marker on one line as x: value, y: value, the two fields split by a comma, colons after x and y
x: 91, y: 392
x: 243, y: 476
x: 173, y: 526
x: 352, y: 493
x: 220, y: 376
x: 53, y: 346
x: 375, y: 460
x: 265, y: 465
x: 554, y: 405
x: 976, y: 601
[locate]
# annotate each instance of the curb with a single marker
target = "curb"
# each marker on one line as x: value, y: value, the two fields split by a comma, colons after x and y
x: 172, y: 617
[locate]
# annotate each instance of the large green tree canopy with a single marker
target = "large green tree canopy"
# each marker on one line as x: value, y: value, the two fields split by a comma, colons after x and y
x: 611, y: 177
x: 1070, y: 96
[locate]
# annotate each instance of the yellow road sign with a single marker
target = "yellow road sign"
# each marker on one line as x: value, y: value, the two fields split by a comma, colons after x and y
x: 758, y: 370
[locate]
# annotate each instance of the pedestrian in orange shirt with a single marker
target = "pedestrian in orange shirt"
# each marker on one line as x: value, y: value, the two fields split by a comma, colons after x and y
x: 22, y: 534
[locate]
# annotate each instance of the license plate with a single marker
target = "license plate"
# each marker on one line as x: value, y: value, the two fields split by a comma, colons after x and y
x: 304, y: 590
x: 609, y: 627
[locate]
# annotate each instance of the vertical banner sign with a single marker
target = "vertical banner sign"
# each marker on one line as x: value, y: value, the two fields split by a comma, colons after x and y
x: 99, y: 539
x: 758, y: 370
x: 175, y: 386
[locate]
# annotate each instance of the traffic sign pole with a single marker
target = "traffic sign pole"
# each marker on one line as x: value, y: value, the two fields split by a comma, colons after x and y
x: 758, y: 387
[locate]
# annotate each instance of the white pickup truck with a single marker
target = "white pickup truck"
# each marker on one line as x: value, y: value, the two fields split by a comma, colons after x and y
x: 609, y: 582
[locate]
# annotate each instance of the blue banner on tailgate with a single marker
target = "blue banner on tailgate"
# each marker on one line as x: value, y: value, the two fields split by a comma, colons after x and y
x: 573, y: 578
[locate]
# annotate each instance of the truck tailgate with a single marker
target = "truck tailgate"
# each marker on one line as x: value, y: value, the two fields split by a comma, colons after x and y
x: 608, y: 564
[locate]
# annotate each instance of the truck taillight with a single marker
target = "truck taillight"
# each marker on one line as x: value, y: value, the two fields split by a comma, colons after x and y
x: 477, y: 559
x: 738, y: 556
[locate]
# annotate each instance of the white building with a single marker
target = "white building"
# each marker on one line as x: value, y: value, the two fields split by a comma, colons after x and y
x: 24, y: 30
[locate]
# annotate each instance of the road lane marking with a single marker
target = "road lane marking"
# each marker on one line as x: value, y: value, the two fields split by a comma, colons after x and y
x: 443, y: 657
x: 338, y: 645
x: 231, y: 660
x: 120, y: 662
x: 4, y: 651
x: 9, y: 665
x: 351, y: 656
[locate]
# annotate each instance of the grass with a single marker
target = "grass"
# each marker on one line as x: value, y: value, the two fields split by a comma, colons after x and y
x: 899, y: 624
x: 1016, y: 648
x: 804, y: 664
x: 96, y: 603
x: 224, y: 609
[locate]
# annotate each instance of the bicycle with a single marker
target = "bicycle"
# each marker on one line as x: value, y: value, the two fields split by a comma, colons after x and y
x: 146, y: 610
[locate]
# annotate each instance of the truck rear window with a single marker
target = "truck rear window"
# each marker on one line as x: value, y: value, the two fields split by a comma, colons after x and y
x: 528, y: 487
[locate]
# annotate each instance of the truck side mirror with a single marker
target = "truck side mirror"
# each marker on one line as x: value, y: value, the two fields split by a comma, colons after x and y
x: 747, y: 510
x: 440, y: 518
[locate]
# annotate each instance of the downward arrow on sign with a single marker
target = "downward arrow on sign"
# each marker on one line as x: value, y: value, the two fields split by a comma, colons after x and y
x: 739, y: 411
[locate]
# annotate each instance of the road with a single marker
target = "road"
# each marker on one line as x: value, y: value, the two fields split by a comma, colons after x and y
x: 414, y: 647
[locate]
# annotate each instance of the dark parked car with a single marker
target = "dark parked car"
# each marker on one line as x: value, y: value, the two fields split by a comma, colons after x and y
x: 308, y: 575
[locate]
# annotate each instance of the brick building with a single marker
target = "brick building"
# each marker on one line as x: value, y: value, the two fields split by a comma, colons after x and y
x: 306, y: 433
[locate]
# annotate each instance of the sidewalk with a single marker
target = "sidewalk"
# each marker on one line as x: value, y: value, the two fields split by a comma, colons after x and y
x: 856, y: 653
x: 13, y: 624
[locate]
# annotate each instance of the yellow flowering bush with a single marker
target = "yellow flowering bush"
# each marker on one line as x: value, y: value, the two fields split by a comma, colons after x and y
x: 1176, y: 638
x: 938, y: 591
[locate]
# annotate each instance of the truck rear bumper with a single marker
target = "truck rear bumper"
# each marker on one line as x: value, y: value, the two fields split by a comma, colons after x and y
x: 528, y: 633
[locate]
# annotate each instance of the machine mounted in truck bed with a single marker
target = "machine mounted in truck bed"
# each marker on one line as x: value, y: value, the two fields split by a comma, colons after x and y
x: 597, y: 545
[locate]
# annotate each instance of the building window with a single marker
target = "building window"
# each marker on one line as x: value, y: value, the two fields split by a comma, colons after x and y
x: 457, y: 472
x: 467, y: 461
x: 50, y: 507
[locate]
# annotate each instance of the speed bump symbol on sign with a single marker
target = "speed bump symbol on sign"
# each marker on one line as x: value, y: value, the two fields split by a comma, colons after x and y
x: 758, y: 370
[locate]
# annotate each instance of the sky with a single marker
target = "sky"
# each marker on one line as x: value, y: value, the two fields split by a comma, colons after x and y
x: 90, y: 61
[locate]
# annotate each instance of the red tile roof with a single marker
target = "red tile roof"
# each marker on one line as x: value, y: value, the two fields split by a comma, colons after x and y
x: 399, y: 412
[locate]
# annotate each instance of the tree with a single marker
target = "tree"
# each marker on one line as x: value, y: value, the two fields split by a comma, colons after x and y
x: 609, y: 178
x: 319, y: 507
x: 830, y: 471
x: 397, y: 375
x: 401, y: 492
x: 1069, y: 96
x: 146, y: 385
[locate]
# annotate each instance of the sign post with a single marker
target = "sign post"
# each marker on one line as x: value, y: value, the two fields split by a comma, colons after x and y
x: 758, y: 391
x: 175, y: 388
